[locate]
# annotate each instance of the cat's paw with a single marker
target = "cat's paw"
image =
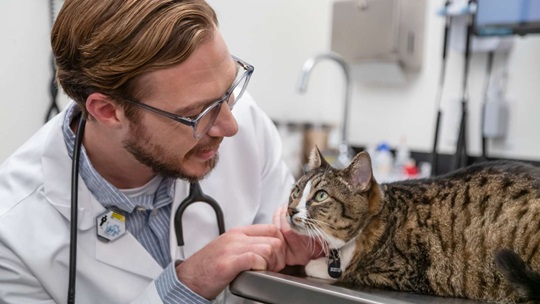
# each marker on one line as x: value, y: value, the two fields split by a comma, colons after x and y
x: 318, y: 268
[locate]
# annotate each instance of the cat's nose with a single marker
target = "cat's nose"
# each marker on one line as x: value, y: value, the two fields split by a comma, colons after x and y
x: 292, y: 211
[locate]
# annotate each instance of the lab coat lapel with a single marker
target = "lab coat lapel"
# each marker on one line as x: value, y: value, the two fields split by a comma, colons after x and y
x: 56, y: 165
x: 126, y: 252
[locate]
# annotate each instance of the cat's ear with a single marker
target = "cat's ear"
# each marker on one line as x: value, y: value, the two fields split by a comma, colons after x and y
x: 316, y: 159
x: 359, y: 172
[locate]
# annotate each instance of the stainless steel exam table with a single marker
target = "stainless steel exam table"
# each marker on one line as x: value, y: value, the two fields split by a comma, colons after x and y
x: 293, y: 287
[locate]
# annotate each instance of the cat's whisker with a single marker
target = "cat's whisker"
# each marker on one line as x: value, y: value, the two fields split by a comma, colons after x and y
x: 315, y: 234
x: 328, y: 239
x: 311, y: 241
x: 322, y: 223
x: 324, y: 244
x: 311, y: 233
x: 325, y: 240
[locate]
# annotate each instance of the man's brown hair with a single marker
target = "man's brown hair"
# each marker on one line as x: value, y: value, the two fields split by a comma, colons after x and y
x: 102, y: 46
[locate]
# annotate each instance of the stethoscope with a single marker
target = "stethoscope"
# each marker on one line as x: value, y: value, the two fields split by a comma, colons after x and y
x: 195, y: 195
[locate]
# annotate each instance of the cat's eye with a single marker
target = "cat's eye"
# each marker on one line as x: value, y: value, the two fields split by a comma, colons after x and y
x: 296, y: 192
x: 321, y: 196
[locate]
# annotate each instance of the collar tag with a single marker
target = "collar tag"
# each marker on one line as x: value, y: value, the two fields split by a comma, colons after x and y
x: 110, y: 225
x: 334, y: 264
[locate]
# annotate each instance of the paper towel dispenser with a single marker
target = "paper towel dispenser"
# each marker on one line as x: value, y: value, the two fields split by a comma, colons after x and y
x: 372, y: 31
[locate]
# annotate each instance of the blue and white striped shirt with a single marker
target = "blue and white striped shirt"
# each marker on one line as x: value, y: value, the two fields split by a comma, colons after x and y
x: 147, y: 217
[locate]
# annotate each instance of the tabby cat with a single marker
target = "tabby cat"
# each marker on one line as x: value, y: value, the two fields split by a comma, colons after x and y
x: 473, y: 233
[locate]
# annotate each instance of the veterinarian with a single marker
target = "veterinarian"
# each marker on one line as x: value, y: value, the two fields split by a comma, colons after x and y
x: 156, y: 83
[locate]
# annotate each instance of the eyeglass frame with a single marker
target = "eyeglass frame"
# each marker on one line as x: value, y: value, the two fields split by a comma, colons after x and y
x: 248, y: 71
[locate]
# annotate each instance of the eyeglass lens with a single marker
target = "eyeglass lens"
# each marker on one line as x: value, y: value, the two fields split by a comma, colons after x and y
x: 209, y: 118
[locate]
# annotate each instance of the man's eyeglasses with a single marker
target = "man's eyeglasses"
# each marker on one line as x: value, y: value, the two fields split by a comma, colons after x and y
x: 205, y: 120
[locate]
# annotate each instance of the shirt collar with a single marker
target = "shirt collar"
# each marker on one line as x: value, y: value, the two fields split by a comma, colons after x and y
x: 108, y: 195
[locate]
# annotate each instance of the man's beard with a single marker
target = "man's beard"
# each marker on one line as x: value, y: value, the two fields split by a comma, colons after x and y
x: 140, y: 145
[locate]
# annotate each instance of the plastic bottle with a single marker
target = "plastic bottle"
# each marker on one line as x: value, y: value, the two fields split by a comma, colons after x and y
x: 403, y: 156
x: 384, y: 162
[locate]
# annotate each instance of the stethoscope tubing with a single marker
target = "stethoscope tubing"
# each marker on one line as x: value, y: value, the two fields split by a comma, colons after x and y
x: 196, y: 195
x: 74, y: 210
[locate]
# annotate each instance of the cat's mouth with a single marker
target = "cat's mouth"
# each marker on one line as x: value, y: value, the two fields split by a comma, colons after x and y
x: 296, y: 223
x: 302, y: 224
x: 292, y: 222
x: 299, y: 225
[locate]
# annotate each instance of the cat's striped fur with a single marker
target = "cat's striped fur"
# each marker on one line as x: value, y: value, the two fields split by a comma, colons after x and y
x: 439, y: 236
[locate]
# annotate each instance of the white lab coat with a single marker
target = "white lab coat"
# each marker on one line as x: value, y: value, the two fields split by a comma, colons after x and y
x: 249, y: 182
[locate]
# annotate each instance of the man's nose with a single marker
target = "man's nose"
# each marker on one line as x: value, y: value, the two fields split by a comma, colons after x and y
x: 225, y: 124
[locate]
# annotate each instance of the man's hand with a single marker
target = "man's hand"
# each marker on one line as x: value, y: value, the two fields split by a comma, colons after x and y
x: 211, y: 269
x: 300, y: 249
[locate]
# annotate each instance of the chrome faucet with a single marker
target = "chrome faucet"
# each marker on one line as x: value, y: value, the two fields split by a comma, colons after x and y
x: 345, y: 152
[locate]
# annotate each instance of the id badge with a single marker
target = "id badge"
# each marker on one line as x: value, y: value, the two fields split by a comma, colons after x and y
x: 110, y: 225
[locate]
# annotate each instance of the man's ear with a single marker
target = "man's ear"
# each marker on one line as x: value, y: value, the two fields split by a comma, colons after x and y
x: 103, y: 109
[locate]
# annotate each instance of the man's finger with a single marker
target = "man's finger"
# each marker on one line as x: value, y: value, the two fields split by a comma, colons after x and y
x: 260, y: 230
x: 250, y: 261
x: 276, y: 218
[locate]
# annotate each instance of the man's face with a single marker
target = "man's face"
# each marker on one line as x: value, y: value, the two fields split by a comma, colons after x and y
x: 168, y: 147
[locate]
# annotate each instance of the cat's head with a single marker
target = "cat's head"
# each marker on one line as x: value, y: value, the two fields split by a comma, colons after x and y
x: 334, y: 205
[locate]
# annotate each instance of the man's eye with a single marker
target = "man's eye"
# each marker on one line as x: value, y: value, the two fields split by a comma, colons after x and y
x: 192, y: 114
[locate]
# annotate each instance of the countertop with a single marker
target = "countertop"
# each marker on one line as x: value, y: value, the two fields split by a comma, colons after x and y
x: 292, y: 286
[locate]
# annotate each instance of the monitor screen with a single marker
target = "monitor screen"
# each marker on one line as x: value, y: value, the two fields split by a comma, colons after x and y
x: 507, y: 17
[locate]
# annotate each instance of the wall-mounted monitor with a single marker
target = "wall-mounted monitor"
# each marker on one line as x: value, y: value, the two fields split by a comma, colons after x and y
x: 507, y: 17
